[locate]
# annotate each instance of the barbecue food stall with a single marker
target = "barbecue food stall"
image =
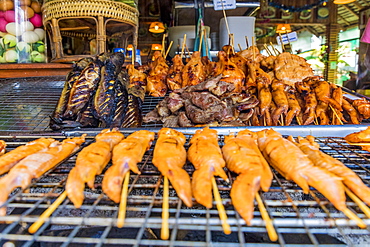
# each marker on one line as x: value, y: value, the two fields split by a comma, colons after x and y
x: 299, y: 210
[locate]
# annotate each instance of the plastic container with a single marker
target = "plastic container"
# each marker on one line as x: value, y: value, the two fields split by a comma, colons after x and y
x: 241, y: 27
x: 138, y: 56
x: 22, y: 34
x: 123, y: 50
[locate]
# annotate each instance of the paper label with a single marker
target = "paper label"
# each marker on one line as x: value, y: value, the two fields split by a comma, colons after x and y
x: 291, y: 37
x: 227, y: 4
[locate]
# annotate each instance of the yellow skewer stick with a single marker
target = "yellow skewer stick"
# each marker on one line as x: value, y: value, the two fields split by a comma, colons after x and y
x: 269, y: 226
x: 183, y: 46
x: 168, y: 50
x: 336, y: 114
x: 354, y: 217
x: 41, y: 220
x: 359, y: 203
x: 220, y: 207
x: 165, y: 231
x: 123, y: 203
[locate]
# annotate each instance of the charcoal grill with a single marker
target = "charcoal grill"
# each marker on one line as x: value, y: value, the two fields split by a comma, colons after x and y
x: 300, y: 220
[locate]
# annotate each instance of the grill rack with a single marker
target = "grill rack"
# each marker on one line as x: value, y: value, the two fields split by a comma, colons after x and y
x: 298, y: 218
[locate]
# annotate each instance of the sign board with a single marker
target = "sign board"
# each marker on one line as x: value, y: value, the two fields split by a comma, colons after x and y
x: 224, y: 4
x: 287, y: 38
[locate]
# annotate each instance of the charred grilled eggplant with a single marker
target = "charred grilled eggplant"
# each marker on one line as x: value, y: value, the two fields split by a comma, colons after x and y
x: 104, y: 95
x: 56, y: 118
x: 82, y: 89
x: 120, y: 104
x: 87, y: 118
x: 133, y: 117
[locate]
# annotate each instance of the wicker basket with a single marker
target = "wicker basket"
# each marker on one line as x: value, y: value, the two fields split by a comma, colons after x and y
x: 72, y: 8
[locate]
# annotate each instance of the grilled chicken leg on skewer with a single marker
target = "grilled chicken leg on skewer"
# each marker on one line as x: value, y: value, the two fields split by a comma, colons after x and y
x: 34, y: 165
x: 320, y: 159
x: 280, y: 99
x: 169, y: 157
x: 126, y: 155
x: 294, y: 107
x: 156, y: 80
x: 90, y: 162
x: 174, y: 79
x: 10, y: 159
x: 243, y: 157
x: 294, y: 165
x: 206, y: 156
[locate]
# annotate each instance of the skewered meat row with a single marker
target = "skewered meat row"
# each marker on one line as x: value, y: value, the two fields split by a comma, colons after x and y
x: 243, y: 157
x: 10, y: 159
x: 96, y: 94
x: 294, y: 165
x: 320, y: 159
x: 90, y: 162
x: 360, y: 137
x: 206, y: 156
x: 35, y: 165
x: 169, y: 157
x: 126, y: 155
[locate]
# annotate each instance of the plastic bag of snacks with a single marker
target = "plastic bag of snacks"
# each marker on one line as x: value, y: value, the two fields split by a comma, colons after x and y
x: 22, y: 36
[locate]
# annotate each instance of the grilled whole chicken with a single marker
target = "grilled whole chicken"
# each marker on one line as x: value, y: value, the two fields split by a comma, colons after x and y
x: 169, y: 157
x: 193, y: 72
x: 243, y: 157
x: 35, y: 165
x: 206, y: 156
x: 90, y: 162
x: 126, y: 155
x: 156, y: 80
x: 294, y: 165
x: 174, y: 79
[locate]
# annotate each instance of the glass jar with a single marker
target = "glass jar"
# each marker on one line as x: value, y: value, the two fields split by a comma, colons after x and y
x: 21, y: 31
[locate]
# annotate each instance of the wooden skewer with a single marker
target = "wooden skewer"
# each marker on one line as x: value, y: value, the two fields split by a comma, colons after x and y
x: 265, y: 216
x: 359, y: 143
x: 267, y: 50
x: 336, y: 114
x: 41, y: 220
x: 200, y: 43
x: 163, y: 38
x: 206, y: 41
x: 277, y: 52
x: 123, y: 203
x: 240, y: 47
x: 298, y: 121
x: 165, y: 231
x: 354, y: 217
x: 246, y: 41
x: 183, y: 46
x: 168, y: 49
x: 359, y: 203
x: 226, y: 22
x: 220, y: 207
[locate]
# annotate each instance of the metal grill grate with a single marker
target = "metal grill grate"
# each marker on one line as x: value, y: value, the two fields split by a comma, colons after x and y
x: 298, y: 218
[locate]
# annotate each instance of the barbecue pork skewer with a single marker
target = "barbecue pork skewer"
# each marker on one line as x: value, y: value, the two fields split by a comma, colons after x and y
x: 243, y: 157
x: 294, y: 165
x: 206, y: 156
x: 126, y: 155
x: 35, y: 165
x: 169, y: 157
x: 320, y: 159
x: 90, y: 162
x: 10, y: 159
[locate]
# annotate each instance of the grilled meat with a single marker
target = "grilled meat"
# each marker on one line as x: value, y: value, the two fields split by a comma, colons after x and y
x: 10, y: 159
x: 322, y: 90
x: 169, y: 157
x: 193, y: 72
x: 174, y: 79
x: 156, y: 80
x: 35, y: 165
x: 126, y: 155
x: 320, y: 159
x: 294, y: 165
x: 294, y: 107
x: 136, y: 77
x: 120, y: 104
x: 362, y: 106
x: 90, y: 162
x: 87, y: 117
x: 280, y: 99
x: 206, y: 156
x: 358, y: 137
x: 243, y: 157
x: 2, y: 147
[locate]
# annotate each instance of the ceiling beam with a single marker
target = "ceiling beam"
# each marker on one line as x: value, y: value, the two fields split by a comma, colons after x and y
x: 350, y: 10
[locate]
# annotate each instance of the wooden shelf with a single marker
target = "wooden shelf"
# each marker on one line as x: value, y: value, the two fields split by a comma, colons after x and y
x: 34, y: 70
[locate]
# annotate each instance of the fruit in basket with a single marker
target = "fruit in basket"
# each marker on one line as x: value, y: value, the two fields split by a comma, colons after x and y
x: 36, y: 20
x: 6, y: 5
x: 9, y: 40
x: 11, y: 56
x: 36, y: 6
